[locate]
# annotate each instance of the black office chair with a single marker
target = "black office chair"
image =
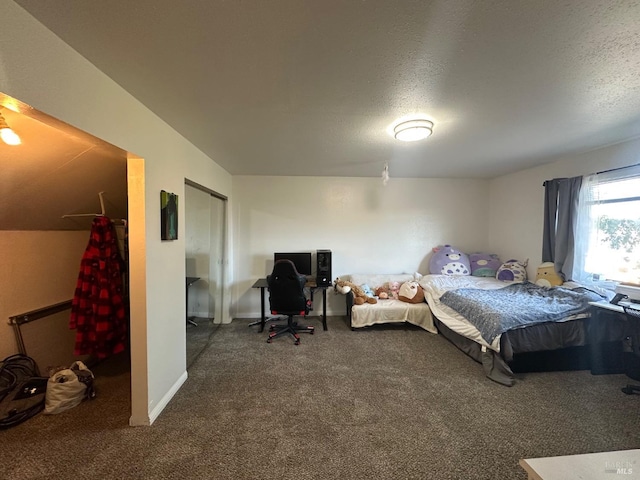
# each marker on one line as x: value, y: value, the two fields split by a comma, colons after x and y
x: 632, y: 360
x: 286, y: 297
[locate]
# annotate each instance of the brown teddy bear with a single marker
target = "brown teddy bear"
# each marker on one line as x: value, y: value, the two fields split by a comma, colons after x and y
x: 359, y: 297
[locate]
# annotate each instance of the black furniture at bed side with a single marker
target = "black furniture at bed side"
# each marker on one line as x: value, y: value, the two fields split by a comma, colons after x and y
x: 286, y: 297
x: 607, y: 329
x: 632, y: 360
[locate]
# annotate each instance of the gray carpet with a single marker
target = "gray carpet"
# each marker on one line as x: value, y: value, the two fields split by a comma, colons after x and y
x: 198, y: 337
x: 382, y: 403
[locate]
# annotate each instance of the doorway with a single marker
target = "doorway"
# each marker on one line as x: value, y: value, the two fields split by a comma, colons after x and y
x: 205, y: 227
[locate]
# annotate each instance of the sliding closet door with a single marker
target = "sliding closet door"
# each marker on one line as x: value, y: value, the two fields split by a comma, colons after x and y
x: 216, y: 276
x: 197, y: 253
x: 205, y: 223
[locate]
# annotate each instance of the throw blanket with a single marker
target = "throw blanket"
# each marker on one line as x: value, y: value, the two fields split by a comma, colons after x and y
x: 494, y: 312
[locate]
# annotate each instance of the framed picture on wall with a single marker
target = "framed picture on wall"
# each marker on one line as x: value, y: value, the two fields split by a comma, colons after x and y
x: 168, y: 215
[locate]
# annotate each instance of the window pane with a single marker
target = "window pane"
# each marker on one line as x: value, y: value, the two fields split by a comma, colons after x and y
x: 618, y: 189
x: 614, y: 249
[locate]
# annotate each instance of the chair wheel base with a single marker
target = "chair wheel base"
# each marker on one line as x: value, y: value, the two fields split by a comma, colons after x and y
x: 630, y: 389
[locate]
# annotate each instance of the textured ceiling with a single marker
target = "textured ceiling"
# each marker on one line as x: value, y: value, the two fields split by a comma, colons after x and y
x: 310, y: 87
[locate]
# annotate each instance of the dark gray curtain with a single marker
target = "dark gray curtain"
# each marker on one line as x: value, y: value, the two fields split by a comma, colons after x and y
x: 561, y: 197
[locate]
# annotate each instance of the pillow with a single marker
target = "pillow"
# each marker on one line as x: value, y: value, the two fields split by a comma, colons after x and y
x: 411, y: 292
x: 513, y: 271
x: 484, y: 264
x: 448, y: 260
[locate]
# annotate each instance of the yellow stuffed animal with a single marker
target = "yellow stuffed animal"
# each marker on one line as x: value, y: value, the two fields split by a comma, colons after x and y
x: 359, y: 297
x: 547, y: 276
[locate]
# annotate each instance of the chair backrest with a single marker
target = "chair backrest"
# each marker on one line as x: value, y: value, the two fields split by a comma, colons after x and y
x: 286, y: 289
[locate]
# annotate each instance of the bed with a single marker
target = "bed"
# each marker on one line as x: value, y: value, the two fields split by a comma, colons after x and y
x: 497, y: 323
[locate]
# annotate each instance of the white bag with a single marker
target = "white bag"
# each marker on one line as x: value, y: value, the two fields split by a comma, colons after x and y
x: 68, y: 387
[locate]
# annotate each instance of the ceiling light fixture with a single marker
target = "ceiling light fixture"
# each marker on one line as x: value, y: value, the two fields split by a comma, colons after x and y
x: 8, y: 136
x: 413, y: 130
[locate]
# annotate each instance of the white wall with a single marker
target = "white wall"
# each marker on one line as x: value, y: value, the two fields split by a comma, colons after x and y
x: 368, y: 227
x: 39, y: 69
x: 516, y: 200
x: 38, y: 269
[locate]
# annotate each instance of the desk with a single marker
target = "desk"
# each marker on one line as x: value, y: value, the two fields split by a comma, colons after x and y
x: 590, y: 466
x: 190, y: 281
x: 261, y: 283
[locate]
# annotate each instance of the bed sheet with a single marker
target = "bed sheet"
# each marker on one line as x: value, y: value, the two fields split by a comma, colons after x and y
x: 435, y: 286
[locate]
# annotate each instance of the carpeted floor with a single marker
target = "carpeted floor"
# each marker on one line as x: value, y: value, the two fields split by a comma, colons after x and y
x: 382, y: 403
x: 198, y: 337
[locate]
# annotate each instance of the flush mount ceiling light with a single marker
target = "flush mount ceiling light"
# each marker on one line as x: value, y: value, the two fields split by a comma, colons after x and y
x: 413, y: 130
x: 8, y: 136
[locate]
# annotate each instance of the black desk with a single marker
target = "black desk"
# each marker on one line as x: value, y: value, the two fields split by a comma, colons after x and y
x: 190, y: 281
x: 261, y: 283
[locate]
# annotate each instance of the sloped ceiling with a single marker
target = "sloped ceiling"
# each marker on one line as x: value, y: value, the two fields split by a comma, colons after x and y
x: 310, y: 87
x: 56, y: 171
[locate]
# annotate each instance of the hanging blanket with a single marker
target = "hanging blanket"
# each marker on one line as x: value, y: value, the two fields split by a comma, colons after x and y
x: 494, y: 312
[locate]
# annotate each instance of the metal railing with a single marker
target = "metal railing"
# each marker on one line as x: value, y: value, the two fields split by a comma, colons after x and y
x: 16, y: 321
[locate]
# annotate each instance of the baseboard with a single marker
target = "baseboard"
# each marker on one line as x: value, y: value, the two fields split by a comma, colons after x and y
x: 155, y: 413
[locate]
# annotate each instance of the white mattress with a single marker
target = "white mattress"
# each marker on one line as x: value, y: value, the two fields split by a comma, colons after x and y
x: 393, y: 311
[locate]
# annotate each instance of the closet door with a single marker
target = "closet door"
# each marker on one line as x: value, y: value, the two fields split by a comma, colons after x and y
x: 217, y: 254
x: 204, y: 252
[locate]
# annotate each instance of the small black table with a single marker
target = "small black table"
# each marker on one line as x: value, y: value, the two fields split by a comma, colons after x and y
x: 190, y: 281
x: 261, y: 283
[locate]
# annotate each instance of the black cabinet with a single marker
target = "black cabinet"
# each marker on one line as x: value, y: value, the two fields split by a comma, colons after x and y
x: 606, y: 335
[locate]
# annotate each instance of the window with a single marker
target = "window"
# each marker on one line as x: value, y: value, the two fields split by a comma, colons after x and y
x: 608, y: 231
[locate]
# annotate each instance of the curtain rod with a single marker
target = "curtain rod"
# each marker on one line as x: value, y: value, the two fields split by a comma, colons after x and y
x: 599, y: 173
x: 616, y: 169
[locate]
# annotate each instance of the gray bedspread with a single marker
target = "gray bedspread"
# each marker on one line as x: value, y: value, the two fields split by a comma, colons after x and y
x: 494, y: 312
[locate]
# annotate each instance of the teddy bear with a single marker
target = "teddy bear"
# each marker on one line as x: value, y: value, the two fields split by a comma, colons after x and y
x: 388, y: 290
x: 382, y: 292
x: 359, y: 296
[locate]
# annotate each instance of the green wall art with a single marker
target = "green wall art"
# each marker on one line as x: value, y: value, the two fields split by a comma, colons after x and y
x: 168, y: 215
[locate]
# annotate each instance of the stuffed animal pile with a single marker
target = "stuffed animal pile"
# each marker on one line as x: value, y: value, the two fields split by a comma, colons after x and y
x: 449, y: 260
x: 359, y: 295
x: 388, y: 290
x: 410, y: 291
